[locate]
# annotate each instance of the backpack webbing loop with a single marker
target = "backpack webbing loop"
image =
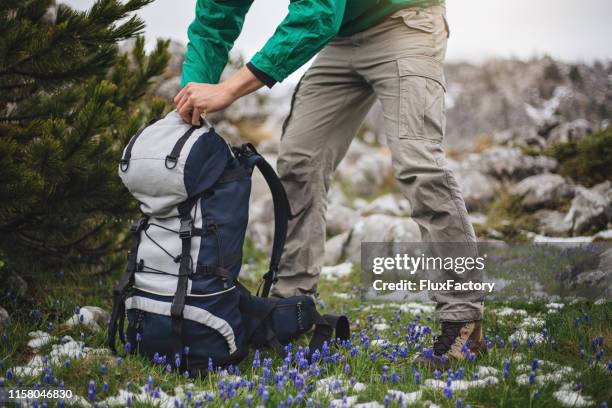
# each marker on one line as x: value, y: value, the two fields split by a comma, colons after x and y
x: 172, y: 158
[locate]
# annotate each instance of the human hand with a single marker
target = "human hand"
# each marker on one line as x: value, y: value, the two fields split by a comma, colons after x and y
x: 197, y: 99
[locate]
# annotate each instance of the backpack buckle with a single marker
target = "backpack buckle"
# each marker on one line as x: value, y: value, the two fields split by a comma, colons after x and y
x: 186, y: 229
x: 139, y: 225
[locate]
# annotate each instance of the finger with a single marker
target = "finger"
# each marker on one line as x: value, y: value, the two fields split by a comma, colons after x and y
x: 195, y: 116
x: 179, y: 96
x: 185, y: 112
x: 184, y: 100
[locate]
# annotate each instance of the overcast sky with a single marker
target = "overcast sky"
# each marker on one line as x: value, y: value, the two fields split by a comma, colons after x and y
x: 571, y: 30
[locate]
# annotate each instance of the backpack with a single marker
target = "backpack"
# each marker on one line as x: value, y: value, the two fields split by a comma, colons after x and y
x: 180, y: 293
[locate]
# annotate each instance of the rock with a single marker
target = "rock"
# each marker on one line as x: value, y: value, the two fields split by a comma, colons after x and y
x: 569, y: 131
x: 39, y: 339
x: 231, y: 134
x: 14, y: 284
x: 336, y: 196
x: 477, y: 218
x: 167, y: 88
x: 605, y: 235
x: 92, y: 316
x: 177, y: 52
x: 389, y: 204
x: 261, y: 235
x: 332, y: 273
x: 605, y: 261
x: 334, y: 249
x: 553, y: 223
x: 509, y: 164
x: 364, y: 168
x: 50, y: 15
x: 260, y: 192
x: 524, y: 136
x: 340, y: 219
x: 269, y: 147
x: 477, y: 189
x: 4, y: 318
x: 591, y: 209
x: 380, y: 228
x: 542, y: 190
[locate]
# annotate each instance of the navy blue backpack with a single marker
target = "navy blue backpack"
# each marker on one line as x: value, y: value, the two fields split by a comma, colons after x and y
x: 180, y: 293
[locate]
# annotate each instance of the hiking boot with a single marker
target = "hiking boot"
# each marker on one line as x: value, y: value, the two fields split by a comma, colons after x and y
x: 459, y: 341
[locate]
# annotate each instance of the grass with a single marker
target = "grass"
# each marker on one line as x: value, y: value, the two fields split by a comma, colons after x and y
x: 507, y: 216
x: 54, y: 299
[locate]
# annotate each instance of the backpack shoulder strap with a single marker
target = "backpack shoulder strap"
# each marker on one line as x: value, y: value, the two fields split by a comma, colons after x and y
x: 282, y: 210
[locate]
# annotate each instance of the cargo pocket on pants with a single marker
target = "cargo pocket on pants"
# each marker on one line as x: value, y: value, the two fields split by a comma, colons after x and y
x: 421, y: 99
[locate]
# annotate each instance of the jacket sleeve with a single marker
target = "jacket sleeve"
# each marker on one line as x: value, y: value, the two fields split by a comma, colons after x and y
x: 212, y: 33
x: 308, y: 26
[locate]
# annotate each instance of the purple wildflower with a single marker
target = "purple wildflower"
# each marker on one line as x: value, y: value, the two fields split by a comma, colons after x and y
x: 536, y: 394
x: 210, y: 365
x: 459, y: 403
x: 128, y: 347
x: 534, y: 364
x: 91, y: 392
x: 532, y: 378
x: 138, y: 337
x: 506, y: 372
x: 256, y: 360
x: 448, y: 392
x: 386, y: 401
x: 514, y: 344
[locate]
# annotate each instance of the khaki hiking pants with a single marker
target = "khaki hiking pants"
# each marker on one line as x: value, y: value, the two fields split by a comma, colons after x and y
x: 400, y: 62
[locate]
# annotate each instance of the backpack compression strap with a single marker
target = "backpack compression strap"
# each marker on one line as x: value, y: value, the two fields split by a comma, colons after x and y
x: 282, y: 211
x: 120, y: 291
x: 186, y: 232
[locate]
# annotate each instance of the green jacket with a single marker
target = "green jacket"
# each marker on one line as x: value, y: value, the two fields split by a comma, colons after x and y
x: 309, y: 25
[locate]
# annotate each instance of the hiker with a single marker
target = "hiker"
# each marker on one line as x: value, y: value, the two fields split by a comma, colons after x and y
x: 390, y: 50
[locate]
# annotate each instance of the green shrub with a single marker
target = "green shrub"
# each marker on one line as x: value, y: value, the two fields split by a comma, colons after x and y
x: 587, y: 161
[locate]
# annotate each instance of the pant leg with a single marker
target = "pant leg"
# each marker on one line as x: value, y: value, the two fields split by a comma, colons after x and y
x: 409, y: 81
x: 329, y: 105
